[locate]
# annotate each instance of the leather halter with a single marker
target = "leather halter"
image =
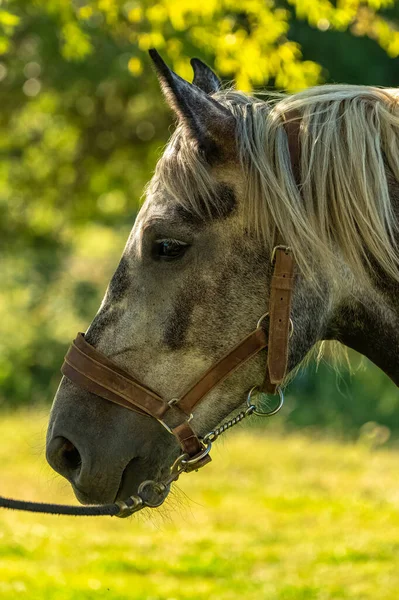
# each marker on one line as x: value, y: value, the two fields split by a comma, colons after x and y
x: 93, y: 371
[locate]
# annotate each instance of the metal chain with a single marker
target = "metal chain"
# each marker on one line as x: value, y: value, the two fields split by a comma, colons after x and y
x: 251, y: 409
x: 212, y: 436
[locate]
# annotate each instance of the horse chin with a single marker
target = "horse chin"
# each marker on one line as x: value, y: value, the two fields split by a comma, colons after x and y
x: 134, y: 474
x: 90, y: 499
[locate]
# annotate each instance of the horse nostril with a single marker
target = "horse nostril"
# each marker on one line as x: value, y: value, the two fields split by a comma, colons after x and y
x: 63, y: 456
x: 71, y: 455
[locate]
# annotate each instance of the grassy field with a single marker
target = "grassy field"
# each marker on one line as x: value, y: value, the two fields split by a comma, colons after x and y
x: 273, y: 517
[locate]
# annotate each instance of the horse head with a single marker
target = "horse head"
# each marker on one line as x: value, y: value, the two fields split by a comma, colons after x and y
x: 195, y: 277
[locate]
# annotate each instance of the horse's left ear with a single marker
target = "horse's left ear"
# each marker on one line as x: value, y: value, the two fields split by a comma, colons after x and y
x: 209, y: 123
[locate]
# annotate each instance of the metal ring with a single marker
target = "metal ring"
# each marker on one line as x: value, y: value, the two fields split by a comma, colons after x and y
x: 261, y: 319
x: 212, y: 436
x: 291, y: 333
x: 168, y: 429
x: 154, y: 485
x: 260, y: 413
x: 200, y: 456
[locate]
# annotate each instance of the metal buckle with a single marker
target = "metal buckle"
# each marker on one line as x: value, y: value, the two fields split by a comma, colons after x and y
x: 261, y: 413
x: 287, y: 250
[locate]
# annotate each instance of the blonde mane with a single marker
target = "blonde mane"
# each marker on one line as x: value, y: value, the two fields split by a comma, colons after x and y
x: 341, y: 217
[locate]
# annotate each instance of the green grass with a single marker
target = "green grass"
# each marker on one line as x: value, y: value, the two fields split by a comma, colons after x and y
x: 273, y: 517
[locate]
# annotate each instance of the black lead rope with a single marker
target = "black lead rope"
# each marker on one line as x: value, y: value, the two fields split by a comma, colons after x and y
x: 61, y: 509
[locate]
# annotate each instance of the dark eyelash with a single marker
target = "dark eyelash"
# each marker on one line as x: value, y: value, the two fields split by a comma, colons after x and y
x: 171, y: 240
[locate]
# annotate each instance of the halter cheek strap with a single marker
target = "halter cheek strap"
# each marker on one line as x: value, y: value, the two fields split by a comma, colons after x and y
x: 280, y: 326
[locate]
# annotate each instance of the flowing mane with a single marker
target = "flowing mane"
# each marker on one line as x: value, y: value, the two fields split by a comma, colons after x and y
x: 342, y: 212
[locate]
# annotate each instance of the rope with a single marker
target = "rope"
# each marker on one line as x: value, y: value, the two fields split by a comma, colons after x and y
x: 60, y: 509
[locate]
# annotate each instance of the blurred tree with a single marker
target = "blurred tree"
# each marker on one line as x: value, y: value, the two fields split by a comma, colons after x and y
x: 81, y: 125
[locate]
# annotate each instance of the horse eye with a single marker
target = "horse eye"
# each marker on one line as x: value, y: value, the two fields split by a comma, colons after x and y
x: 169, y: 249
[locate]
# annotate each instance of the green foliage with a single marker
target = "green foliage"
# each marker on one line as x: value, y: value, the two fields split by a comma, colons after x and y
x: 82, y: 124
x: 270, y: 517
x: 342, y: 401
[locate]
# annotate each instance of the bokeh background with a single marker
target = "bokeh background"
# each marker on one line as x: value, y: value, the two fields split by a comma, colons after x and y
x: 82, y: 122
x: 280, y: 514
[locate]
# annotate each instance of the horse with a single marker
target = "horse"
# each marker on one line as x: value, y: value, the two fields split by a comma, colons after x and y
x: 196, y: 273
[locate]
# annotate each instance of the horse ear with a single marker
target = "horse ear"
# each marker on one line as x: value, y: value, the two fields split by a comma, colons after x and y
x: 210, y: 124
x: 204, y: 77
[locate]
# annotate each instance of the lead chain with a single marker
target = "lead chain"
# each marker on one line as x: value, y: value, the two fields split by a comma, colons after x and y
x: 212, y: 436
